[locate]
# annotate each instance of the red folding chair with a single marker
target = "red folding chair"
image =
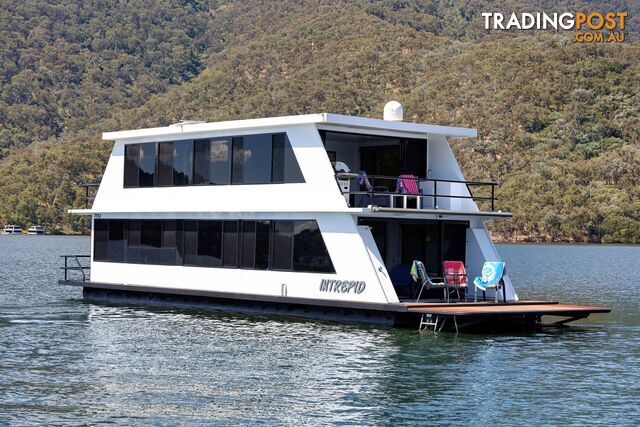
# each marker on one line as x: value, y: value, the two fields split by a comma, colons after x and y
x: 408, y: 186
x: 455, y: 277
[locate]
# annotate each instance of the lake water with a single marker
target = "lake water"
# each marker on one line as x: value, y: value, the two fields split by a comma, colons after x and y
x: 63, y: 360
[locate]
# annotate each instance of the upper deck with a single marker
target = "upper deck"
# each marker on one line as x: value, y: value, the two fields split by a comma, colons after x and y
x: 253, y: 169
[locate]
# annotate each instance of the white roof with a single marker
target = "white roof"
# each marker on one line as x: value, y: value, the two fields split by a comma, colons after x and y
x: 329, y: 119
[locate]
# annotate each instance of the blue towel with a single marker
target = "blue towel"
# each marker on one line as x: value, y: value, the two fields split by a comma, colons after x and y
x: 491, y: 274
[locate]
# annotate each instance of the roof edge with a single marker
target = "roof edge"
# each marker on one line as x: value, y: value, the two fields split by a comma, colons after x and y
x: 319, y: 118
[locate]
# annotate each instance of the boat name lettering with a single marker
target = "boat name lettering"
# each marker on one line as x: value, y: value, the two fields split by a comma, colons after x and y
x: 342, y: 286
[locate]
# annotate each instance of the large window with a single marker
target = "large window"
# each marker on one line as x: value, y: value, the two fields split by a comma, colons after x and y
x: 230, y: 244
x: 283, y: 245
x: 252, y: 159
x: 210, y: 243
x: 174, y: 163
x: 211, y: 161
x: 140, y: 165
x: 309, y: 250
x: 256, y: 168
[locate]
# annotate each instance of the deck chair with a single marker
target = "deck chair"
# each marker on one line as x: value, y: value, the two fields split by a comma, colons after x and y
x: 407, y: 185
x: 455, y: 277
x: 419, y: 274
x: 492, y: 274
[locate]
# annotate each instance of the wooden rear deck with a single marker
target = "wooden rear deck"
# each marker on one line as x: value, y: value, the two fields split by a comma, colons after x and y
x: 527, y: 314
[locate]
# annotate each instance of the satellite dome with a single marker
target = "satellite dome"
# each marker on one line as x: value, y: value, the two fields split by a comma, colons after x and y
x: 393, y: 111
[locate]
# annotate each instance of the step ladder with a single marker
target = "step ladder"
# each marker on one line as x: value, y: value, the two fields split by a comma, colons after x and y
x: 429, y: 321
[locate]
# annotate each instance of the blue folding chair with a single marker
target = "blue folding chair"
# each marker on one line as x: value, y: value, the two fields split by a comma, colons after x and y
x: 492, y: 274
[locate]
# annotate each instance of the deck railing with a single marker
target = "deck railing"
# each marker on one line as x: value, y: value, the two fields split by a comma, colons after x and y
x: 90, y: 189
x: 383, y: 189
x: 72, y: 263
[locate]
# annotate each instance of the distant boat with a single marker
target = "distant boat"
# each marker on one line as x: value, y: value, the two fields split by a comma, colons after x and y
x: 12, y: 229
x: 35, y: 229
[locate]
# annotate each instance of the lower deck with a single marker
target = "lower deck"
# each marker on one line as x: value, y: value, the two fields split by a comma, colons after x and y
x: 437, y: 316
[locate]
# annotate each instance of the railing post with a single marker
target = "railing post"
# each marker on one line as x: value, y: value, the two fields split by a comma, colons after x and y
x: 65, y: 268
x: 493, y: 188
x: 435, y: 194
x: 373, y: 186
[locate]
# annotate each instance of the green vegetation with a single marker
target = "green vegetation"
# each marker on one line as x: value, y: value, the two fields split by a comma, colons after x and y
x: 559, y: 122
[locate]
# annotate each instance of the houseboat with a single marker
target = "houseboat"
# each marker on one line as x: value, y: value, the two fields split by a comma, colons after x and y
x: 320, y: 215
x: 35, y: 229
x: 12, y: 229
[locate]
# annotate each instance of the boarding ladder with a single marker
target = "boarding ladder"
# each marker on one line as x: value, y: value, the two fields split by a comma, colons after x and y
x: 432, y: 322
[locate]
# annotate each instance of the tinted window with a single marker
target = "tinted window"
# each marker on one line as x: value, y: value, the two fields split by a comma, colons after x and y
x: 167, y: 255
x: 277, y: 159
x: 133, y: 238
x: 201, y: 163
x: 248, y: 244
x: 165, y: 163
x: 257, y: 159
x: 292, y: 173
x: 147, y: 164
x: 278, y: 245
x: 230, y: 244
x: 182, y: 162
x: 169, y: 234
x: 133, y: 242
x: 179, y: 242
x: 282, y: 245
x: 220, y: 161
x: 210, y: 243
x: 309, y: 251
x: 262, y: 244
x: 151, y: 234
x: 252, y: 159
x: 238, y: 161
x: 131, y: 165
x: 190, y: 242
x: 115, y: 250
x: 100, y: 239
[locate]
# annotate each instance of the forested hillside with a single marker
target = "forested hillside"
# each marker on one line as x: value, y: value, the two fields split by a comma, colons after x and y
x: 559, y: 122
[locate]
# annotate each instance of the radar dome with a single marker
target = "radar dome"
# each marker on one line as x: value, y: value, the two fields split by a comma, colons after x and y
x: 393, y: 111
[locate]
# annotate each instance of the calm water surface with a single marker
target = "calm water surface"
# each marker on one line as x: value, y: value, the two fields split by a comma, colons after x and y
x: 66, y: 361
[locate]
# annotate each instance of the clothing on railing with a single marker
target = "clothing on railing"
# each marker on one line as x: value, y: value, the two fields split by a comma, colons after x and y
x: 363, y: 180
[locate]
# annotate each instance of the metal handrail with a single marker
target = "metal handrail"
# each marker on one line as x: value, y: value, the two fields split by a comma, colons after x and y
x: 79, y: 267
x: 372, y: 179
x: 87, y: 186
